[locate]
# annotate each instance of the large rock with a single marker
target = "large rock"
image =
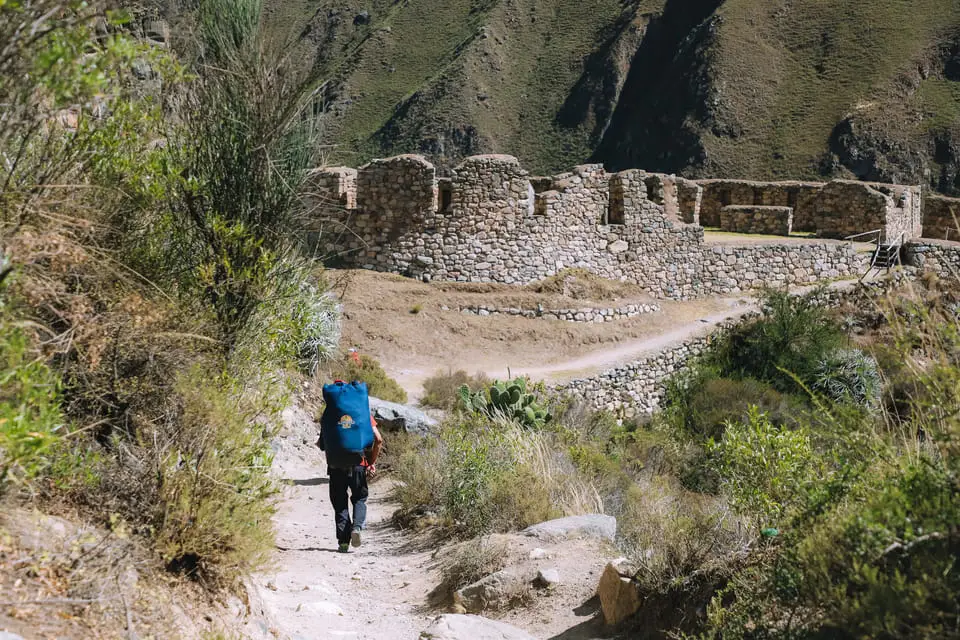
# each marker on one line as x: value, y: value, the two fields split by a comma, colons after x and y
x: 619, y: 596
x: 460, y: 627
x: 593, y: 525
x: 398, y: 417
x: 492, y: 592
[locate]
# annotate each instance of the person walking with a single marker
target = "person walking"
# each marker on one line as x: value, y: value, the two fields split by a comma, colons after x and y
x: 352, y: 442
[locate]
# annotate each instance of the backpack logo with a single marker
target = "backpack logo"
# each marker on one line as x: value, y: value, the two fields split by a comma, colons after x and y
x: 346, y: 422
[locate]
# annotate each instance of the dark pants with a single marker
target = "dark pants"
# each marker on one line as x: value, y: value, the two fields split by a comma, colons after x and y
x: 354, y: 479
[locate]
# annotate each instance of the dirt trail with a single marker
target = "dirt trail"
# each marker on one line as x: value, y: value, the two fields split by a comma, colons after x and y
x: 374, y: 592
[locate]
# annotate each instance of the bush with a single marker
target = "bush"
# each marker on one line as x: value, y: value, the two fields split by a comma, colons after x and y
x: 849, y: 376
x: 480, y: 477
x: 364, y: 368
x: 765, y: 469
x: 201, y: 491
x: 30, y: 418
x: 784, y: 347
x: 700, y: 403
x: 442, y: 390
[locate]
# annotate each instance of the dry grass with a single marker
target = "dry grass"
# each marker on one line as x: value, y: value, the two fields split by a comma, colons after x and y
x: 441, y: 391
x: 581, y: 284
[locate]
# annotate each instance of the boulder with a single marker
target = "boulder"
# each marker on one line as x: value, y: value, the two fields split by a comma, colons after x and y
x: 491, y: 593
x: 398, y: 417
x: 463, y: 627
x: 593, y: 525
x: 6, y: 635
x: 618, y: 593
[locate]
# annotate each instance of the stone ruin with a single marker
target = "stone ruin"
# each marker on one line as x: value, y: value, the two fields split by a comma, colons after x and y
x: 490, y: 221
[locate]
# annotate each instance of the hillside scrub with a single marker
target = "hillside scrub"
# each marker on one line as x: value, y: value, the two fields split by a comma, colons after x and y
x: 365, y: 368
x: 841, y: 498
x: 484, y: 475
x: 153, y: 309
x: 442, y: 390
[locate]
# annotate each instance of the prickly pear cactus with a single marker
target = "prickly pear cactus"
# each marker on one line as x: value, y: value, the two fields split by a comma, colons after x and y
x: 509, y: 400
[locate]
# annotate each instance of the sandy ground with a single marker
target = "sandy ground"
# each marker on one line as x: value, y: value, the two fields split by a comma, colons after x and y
x: 379, y: 320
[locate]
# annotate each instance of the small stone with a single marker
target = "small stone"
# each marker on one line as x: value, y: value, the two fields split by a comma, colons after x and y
x: 270, y: 585
x: 548, y: 578
x: 538, y: 554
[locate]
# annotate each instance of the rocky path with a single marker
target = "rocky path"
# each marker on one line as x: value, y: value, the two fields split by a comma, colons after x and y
x: 374, y: 592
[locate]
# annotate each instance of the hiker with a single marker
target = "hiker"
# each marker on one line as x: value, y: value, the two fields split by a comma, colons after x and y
x: 352, y: 443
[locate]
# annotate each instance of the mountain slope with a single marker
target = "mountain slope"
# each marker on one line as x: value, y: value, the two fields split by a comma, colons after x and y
x: 745, y: 88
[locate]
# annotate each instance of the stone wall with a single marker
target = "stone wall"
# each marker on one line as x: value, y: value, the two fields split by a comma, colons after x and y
x: 587, y: 314
x: 636, y: 388
x: 800, y: 196
x: 938, y: 256
x: 847, y: 207
x: 491, y: 222
x: 777, y: 221
x: 941, y: 217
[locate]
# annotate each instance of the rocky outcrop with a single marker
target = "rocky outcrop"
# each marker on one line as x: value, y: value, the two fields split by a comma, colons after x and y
x: 599, y: 526
x: 494, y: 592
x: 398, y: 417
x: 466, y: 627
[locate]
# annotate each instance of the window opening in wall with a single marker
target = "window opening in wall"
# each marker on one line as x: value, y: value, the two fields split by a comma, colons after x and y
x: 445, y: 188
x: 792, y: 197
x: 615, y: 210
x: 725, y: 198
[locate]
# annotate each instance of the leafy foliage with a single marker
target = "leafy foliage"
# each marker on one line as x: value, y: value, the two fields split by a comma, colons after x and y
x: 764, y: 467
x: 849, y: 376
x: 484, y: 476
x: 30, y: 417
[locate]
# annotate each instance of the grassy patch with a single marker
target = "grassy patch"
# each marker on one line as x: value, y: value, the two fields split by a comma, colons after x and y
x: 442, y: 390
x: 364, y: 368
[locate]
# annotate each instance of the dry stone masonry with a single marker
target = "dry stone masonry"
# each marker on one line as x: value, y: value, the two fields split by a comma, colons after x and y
x: 586, y: 314
x: 490, y: 221
x: 774, y: 221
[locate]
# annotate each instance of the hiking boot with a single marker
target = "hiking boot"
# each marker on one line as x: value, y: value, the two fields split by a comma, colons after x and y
x: 344, y: 547
x: 355, y: 538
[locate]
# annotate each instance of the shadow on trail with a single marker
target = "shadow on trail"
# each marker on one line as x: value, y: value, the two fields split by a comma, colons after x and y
x: 590, y: 628
x: 307, y: 482
x: 311, y: 549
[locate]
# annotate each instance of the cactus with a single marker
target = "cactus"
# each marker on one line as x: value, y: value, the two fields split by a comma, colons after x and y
x: 509, y: 400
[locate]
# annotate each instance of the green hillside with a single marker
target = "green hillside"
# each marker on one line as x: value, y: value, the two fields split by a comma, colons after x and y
x: 738, y: 88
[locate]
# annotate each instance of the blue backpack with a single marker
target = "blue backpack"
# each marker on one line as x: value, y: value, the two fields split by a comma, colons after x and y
x: 346, y: 431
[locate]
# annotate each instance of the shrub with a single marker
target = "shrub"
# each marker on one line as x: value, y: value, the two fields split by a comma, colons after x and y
x: 849, y: 376
x: 364, y: 368
x: 442, y: 390
x: 785, y: 345
x: 700, y: 403
x: 764, y: 468
x: 481, y: 477
x: 200, y: 491
x: 30, y: 418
